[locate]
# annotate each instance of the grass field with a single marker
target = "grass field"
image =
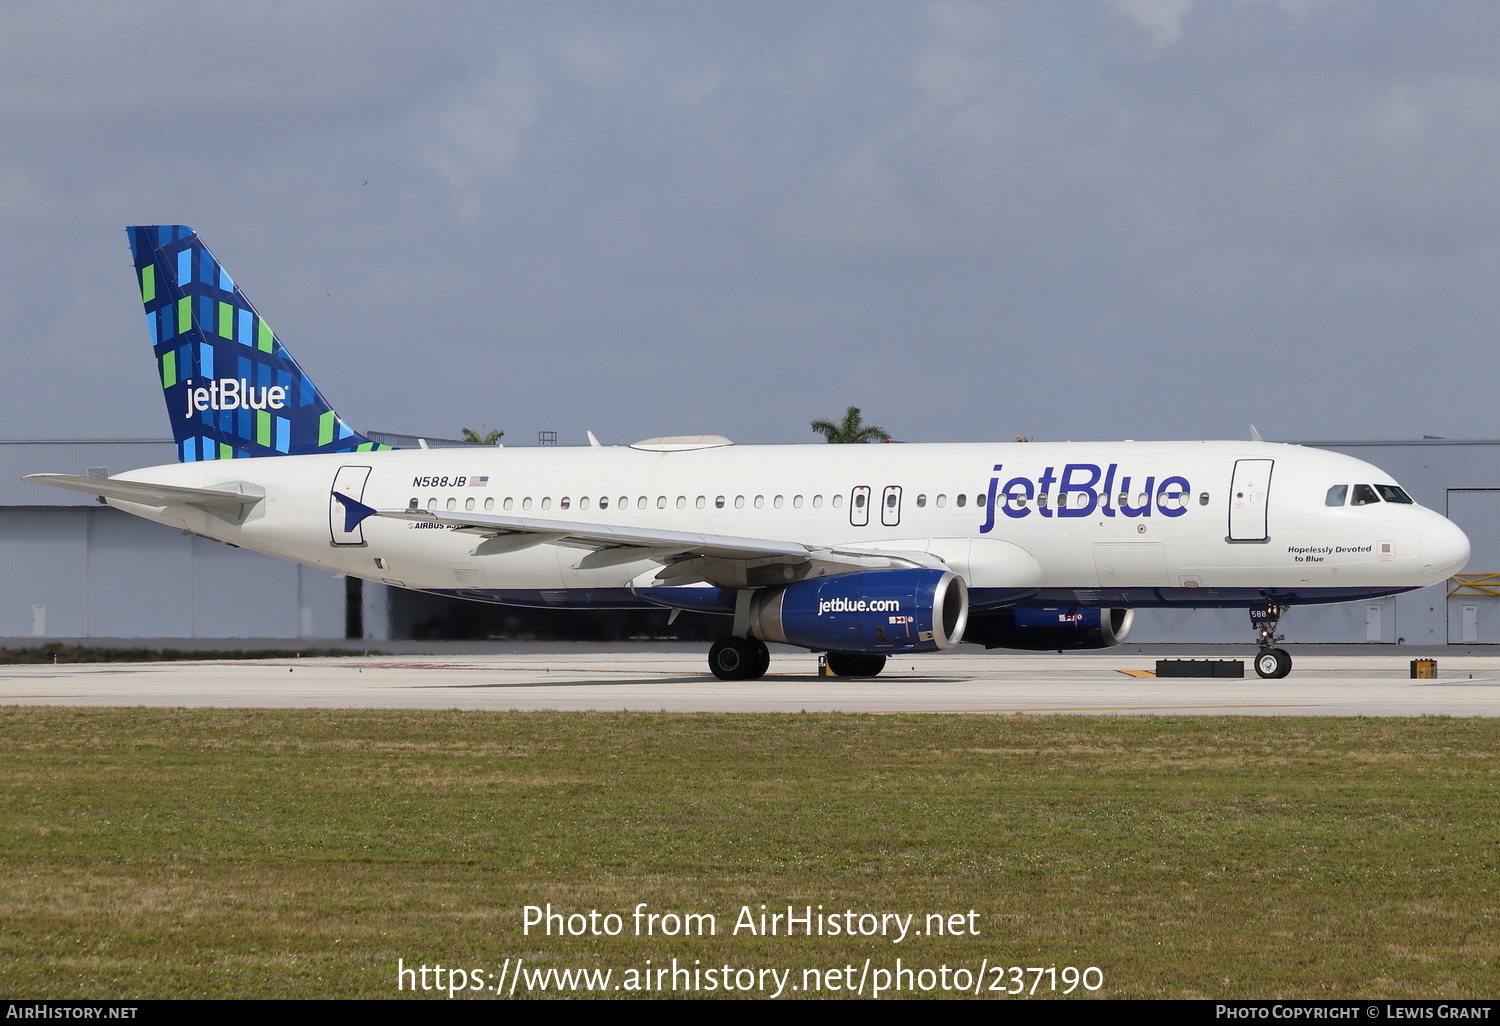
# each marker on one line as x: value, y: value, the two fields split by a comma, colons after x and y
x: 301, y: 853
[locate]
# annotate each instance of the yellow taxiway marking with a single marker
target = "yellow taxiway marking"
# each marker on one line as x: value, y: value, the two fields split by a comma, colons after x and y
x: 1137, y: 673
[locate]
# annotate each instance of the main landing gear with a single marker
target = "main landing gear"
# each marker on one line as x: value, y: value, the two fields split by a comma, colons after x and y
x: 1270, y: 662
x: 735, y: 658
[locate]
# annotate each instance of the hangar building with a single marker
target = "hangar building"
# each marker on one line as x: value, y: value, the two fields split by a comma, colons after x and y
x: 72, y: 568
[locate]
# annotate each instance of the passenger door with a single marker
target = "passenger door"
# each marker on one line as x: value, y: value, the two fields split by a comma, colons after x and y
x: 348, y: 481
x: 1248, y: 494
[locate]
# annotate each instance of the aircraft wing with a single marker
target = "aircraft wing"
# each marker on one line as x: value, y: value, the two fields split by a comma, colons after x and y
x: 148, y: 494
x: 687, y: 557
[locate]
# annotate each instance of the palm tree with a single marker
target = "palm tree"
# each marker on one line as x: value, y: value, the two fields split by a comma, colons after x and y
x: 488, y: 438
x: 850, y: 430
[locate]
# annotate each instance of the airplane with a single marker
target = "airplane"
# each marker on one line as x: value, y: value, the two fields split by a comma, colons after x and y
x: 859, y: 551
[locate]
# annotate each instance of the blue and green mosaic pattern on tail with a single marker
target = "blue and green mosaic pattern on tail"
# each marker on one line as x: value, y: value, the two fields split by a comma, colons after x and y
x: 232, y: 389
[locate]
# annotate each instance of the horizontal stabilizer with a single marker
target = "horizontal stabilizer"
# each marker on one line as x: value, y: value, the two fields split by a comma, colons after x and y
x: 148, y: 494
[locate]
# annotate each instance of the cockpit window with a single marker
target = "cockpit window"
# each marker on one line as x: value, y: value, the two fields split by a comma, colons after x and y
x: 1337, y: 495
x: 1394, y: 493
x: 1364, y: 495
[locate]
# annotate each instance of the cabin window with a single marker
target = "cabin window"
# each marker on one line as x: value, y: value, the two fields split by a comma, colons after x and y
x: 760, y: 501
x: 1203, y: 499
x: 942, y: 500
x: 859, y: 501
x: 817, y: 502
x: 526, y: 502
x: 432, y: 504
x: 640, y: 503
x: 489, y: 503
x: 890, y: 501
x: 1337, y: 495
x: 1041, y: 501
x: 960, y: 500
x: 661, y: 502
x: 921, y: 501
x: 603, y: 502
x: 838, y: 502
x: 1393, y: 493
x: 778, y: 502
x: 566, y: 502
x: 546, y: 502
x: 452, y: 502
x: 1062, y: 500
x: 1364, y: 495
x: 739, y: 502
x: 701, y: 502
x: 509, y: 503
x: 469, y: 502
x: 682, y: 502
x: 796, y: 502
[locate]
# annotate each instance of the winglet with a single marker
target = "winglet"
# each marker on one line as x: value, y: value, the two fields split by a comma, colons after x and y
x: 1255, y: 435
x: 355, y: 512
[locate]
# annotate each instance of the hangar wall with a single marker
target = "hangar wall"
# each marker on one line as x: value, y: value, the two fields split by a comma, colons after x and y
x: 72, y: 568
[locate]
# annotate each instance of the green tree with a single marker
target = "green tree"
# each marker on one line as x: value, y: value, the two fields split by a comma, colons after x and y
x: 851, y: 430
x: 488, y: 438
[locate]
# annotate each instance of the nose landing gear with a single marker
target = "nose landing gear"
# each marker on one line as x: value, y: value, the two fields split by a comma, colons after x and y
x: 1270, y: 662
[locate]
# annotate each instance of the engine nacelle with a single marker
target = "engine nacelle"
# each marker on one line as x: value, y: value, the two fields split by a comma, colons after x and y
x: 869, y: 611
x: 1050, y: 629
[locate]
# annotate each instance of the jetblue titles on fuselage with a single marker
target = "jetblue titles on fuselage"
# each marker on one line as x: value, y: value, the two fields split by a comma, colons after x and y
x: 1102, y: 490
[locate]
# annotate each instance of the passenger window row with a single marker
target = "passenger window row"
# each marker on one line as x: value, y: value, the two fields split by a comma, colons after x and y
x: 624, y: 502
x: 1171, y: 500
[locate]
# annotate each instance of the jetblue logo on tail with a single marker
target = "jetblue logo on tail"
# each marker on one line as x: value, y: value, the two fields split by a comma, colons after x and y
x: 229, y: 394
x: 232, y: 389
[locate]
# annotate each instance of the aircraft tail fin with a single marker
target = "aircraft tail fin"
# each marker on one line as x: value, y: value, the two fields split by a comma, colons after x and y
x: 232, y: 389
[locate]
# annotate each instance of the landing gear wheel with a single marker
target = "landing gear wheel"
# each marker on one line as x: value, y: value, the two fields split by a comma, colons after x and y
x: 762, y: 659
x: 1270, y: 662
x: 852, y: 664
x: 1273, y: 663
x: 729, y: 658
x: 735, y: 658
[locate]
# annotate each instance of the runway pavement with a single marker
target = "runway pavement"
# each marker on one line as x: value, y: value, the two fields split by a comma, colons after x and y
x: 674, y: 680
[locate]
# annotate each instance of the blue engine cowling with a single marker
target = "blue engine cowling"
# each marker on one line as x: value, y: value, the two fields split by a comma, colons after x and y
x: 1043, y: 630
x: 870, y: 611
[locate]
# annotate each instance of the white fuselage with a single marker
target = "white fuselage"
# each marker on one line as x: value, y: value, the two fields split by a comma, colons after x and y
x: 1143, y: 524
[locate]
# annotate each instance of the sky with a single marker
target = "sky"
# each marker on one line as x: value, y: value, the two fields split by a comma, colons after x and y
x: 1094, y: 220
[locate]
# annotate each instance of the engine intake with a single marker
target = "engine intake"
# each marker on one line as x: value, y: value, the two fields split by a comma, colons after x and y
x: 869, y: 611
x: 1056, y: 629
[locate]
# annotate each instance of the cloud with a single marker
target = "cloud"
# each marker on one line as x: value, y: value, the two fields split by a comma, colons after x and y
x: 1162, y: 19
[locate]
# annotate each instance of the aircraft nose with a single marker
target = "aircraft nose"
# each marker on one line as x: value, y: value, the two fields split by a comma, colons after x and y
x: 1445, y: 548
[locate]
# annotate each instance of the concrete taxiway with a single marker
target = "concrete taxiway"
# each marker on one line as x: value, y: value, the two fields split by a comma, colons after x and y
x: 668, y: 680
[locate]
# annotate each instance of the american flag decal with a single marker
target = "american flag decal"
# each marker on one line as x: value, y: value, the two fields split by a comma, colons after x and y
x: 479, y: 482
